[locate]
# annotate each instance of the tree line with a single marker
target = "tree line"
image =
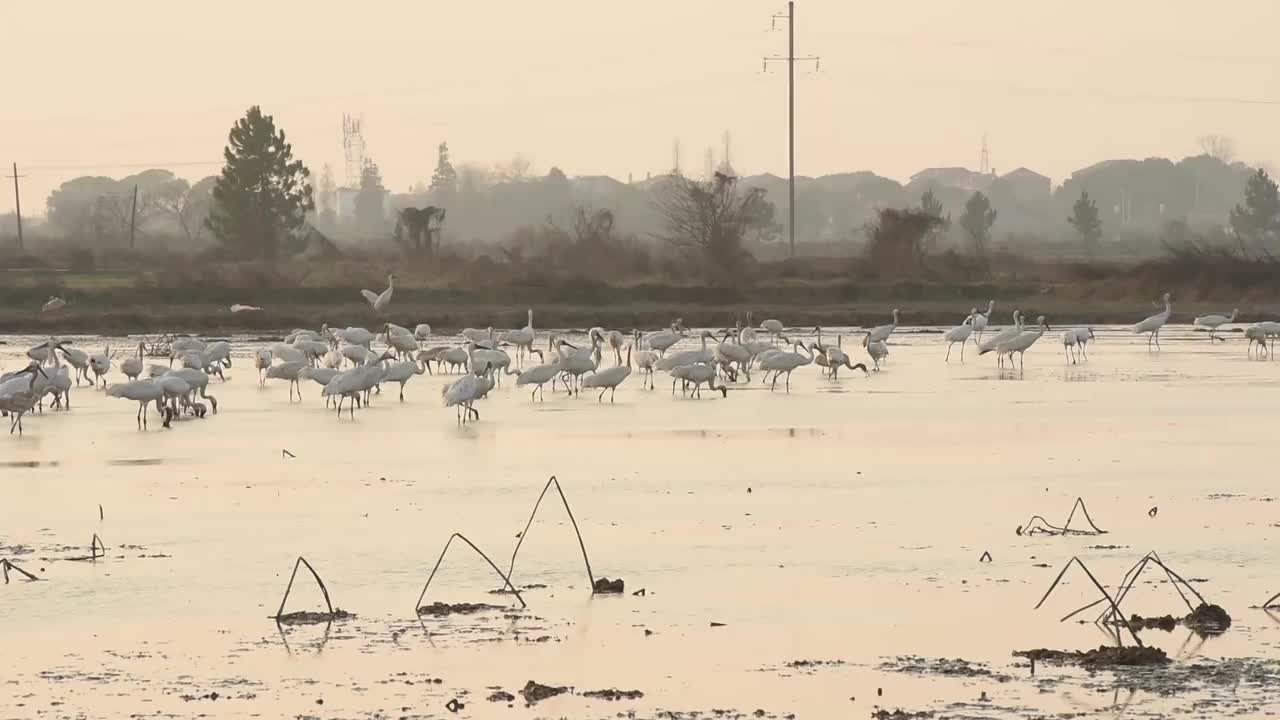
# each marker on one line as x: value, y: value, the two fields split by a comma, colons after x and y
x: 263, y: 205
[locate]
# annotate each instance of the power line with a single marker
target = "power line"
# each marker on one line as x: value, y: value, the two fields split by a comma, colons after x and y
x: 791, y: 59
x: 125, y: 166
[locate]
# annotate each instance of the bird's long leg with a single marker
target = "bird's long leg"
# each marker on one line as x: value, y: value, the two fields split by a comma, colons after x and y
x: 961, y: 352
x: 1157, y: 336
x: 788, y: 381
x: 600, y: 398
x: 612, y: 391
x: 401, y: 392
x: 948, y: 358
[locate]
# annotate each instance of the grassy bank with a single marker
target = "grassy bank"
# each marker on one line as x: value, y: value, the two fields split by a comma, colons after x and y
x: 114, y: 309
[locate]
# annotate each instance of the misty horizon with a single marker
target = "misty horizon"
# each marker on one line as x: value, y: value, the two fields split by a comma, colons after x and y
x: 921, y: 89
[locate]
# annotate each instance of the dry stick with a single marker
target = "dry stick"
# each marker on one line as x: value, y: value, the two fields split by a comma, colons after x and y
x: 96, y: 543
x: 1096, y: 584
x: 1179, y: 578
x: 1053, y: 529
x: 1174, y: 578
x: 7, y: 566
x: 553, y: 481
x: 1080, y: 504
x: 479, y: 552
x: 1270, y: 600
x: 323, y: 590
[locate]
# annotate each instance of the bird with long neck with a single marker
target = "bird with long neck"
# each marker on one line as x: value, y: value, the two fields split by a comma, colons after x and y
x: 1151, y: 326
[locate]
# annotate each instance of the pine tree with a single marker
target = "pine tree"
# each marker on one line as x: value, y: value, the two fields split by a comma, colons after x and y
x: 263, y: 193
x: 1084, y: 218
x: 445, y: 178
x: 977, y: 220
x: 1260, y: 214
x: 370, y: 210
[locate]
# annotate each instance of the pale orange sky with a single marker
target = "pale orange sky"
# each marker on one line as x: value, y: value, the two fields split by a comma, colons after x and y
x: 605, y: 87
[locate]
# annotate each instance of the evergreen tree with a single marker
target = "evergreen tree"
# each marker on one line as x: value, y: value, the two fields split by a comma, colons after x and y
x: 1259, y: 217
x: 931, y: 205
x: 445, y: 178
x: 263, y: 193
x: 1084, y: 218
x: 370, y: 200
x: 977, y: 220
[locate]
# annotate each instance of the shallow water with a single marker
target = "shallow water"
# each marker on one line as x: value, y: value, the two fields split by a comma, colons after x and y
x: 841, y: 522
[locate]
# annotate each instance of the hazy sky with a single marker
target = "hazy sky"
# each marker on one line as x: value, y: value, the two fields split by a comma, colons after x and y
x: 605, y: 87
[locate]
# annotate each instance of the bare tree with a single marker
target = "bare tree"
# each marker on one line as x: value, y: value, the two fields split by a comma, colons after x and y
x: 187, y: 205
x: 706, y: 221
x: 1219, y: 147
x: 517, y: 170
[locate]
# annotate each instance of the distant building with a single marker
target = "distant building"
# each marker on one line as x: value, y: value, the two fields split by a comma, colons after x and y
x: 956, y: 177
x: 1027, y: 186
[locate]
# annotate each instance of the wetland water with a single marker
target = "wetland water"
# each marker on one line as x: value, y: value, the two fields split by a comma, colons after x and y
x: 842, y: 523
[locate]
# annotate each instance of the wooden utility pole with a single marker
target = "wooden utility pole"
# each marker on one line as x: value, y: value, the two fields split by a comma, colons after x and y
x: 791, y: 59
x: 17, y: 204
x: 133, y: 216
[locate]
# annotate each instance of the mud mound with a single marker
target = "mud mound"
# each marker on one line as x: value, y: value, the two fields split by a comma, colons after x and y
x: 1105, y: 656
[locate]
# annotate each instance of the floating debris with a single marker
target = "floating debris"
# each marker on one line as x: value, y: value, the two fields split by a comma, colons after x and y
x: 1037, y: 525
x: 1207, y: 619
x: 441, y: 609
x: 534, y: 692
x: 313, y: 618
x: 901, y: 715
x: 957, y: 667
x: 605, y: 586
x: 613, y: 694
x: 1104, y: 656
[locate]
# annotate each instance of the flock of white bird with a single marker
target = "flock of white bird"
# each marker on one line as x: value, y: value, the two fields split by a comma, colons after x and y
x: 349, y: 370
